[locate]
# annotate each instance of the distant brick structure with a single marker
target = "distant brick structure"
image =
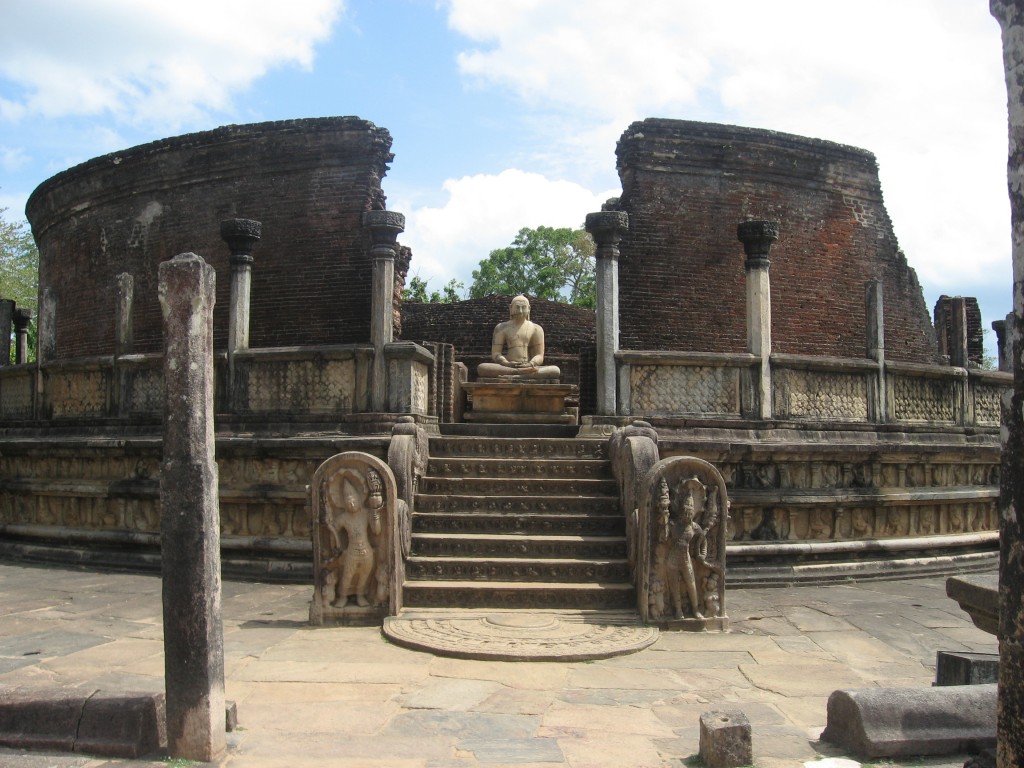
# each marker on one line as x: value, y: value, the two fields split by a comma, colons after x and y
x: 307, y: 181
x: 944, y: 328
x: 686, y: 186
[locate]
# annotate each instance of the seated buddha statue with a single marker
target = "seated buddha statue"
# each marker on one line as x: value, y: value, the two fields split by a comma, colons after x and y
x: 517, y: 347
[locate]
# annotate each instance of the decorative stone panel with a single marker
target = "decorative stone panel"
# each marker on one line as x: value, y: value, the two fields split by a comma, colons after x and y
x: 16, y: 395
x: 678, y: 389
x: 987, y: 408
x: 921, y: 399
x: 820, y: 396
x: 305, y: 386
x: 78, y: 392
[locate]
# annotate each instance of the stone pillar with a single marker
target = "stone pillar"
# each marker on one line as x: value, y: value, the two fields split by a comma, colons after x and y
x: 123, y: 330
x: 47, y: 329
x: 384, y: 228
x: 607, y: 227
x: 958, y: 332
x: 757, y: 238
x: 1004, y: 345
x: 874, y: 312
x: 6, y: 322
x: 1010, y: 713
x: 22, y: 318
x: 189, y: 515
x: 241, y: 235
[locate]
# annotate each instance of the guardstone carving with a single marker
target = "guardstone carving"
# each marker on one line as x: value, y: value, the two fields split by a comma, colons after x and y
x: 354, y: 503
x: 682, y: 519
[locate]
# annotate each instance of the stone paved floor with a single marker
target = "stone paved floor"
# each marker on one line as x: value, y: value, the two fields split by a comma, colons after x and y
x: 344, y: 697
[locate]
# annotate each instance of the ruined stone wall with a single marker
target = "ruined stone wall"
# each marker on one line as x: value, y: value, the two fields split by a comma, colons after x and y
x: 687, y: 185
x: 307, y: 181
x: 943, y: 319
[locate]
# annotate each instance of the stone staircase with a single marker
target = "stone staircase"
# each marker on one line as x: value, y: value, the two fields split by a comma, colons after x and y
x: 518, y: 522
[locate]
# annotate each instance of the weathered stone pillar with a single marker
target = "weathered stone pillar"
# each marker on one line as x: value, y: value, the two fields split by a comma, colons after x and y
x: 757, y: 238
x: 22, y: 318
x: 958, y: 332
x: 384, y: 228
x: 241, y: 235
x: 607, y: 227
x: 6, y: 322
x: 1004, y: 346
x: 1010, y: 715
x: 874, y: 312
x: 124, y: 334
x: 189, y: 515
x: 47, y: 329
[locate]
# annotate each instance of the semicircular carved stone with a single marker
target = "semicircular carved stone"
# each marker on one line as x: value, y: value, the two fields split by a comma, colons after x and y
x: 355, y: 508
x: 682, y: 517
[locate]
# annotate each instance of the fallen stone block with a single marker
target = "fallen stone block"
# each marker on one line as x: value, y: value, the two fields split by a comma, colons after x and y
x: 895, y: 722
x: 87, y: 721
x: 956, y: 668
x: 725, y: 739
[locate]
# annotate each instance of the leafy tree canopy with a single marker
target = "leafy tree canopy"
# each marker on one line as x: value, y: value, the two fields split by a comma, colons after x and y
x: 19, y: 270
x: 417, y: 291
x: 549, y: 263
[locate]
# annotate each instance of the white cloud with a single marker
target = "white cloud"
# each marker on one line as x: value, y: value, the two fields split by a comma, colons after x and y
x: 149, y: 61
x: 919, y: 83
x: 485, y: 212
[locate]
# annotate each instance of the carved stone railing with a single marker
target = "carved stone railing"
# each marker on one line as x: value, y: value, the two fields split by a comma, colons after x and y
x: 321, y: 382
x: 408, y: 454
x: 807, y: 389
x: 632, y: 450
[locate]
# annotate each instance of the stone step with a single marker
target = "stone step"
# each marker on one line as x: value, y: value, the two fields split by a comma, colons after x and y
x: 539, y: 448
x: 533, y: 570
x: 568, y: 523
x: 517, y: 503
x: 517, y: 545
x: 518, y: 594
x: 503, y: 488
x: 526, y: 468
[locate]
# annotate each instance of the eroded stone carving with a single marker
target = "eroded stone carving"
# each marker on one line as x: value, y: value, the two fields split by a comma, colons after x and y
x: 517, y: 347
x: 682, y: 517
x: 355, y: 506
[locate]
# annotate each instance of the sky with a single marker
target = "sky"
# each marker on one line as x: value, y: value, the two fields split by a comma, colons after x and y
x: 505, y: 113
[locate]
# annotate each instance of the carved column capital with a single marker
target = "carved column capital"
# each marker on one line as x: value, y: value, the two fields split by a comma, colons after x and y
x: 384, y: 228
x: 241, y: 235
x: 22, y: 317
x: 757, y: 237
x: 607, y: 228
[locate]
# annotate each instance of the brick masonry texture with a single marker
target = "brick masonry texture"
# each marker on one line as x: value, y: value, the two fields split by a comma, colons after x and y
x: 307, y: 181
x: 686, y: 185
x: 943, y: 318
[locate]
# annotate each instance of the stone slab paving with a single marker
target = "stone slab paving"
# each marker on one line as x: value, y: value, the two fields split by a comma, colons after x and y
x: 345, y: 697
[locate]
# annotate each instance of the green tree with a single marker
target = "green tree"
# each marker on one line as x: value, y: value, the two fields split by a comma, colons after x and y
x: 549, y: 263
x: 417, y: 291
x: 19, y: 270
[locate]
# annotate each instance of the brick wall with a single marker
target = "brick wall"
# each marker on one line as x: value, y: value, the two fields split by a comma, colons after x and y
x: 687, y: 185
x: 943, y: 319
x: 308, y: 181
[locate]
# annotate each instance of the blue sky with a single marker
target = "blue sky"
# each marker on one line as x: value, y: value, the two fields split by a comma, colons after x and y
x: 505, y: 113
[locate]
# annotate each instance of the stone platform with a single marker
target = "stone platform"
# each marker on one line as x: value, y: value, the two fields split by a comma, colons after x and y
x: 521, y: 636
x: 516, y: 401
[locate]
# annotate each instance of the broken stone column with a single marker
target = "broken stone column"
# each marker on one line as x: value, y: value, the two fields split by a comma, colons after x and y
x: 874, y: 311
x: 22, y: 318
x: 958, y: 332
x: 1010, y: 716
x: 1004, y: 349
x: 384, y: 228
x: 6, y: 321
x: 123, y: 330
x: 190, y: 515
x: 47, y: 329
x: 241, y: 235
x: 757, y: 238
x: 725, y: 739
x: 607, y: 227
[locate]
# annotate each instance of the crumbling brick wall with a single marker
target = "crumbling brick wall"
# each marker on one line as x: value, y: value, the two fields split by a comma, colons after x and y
x: 943, y: 319
x: 686, y: 186
x: 307, y: 181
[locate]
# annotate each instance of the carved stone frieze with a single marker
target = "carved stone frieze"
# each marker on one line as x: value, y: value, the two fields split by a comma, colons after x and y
x: 302, y: 386
x: 923, y: 400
